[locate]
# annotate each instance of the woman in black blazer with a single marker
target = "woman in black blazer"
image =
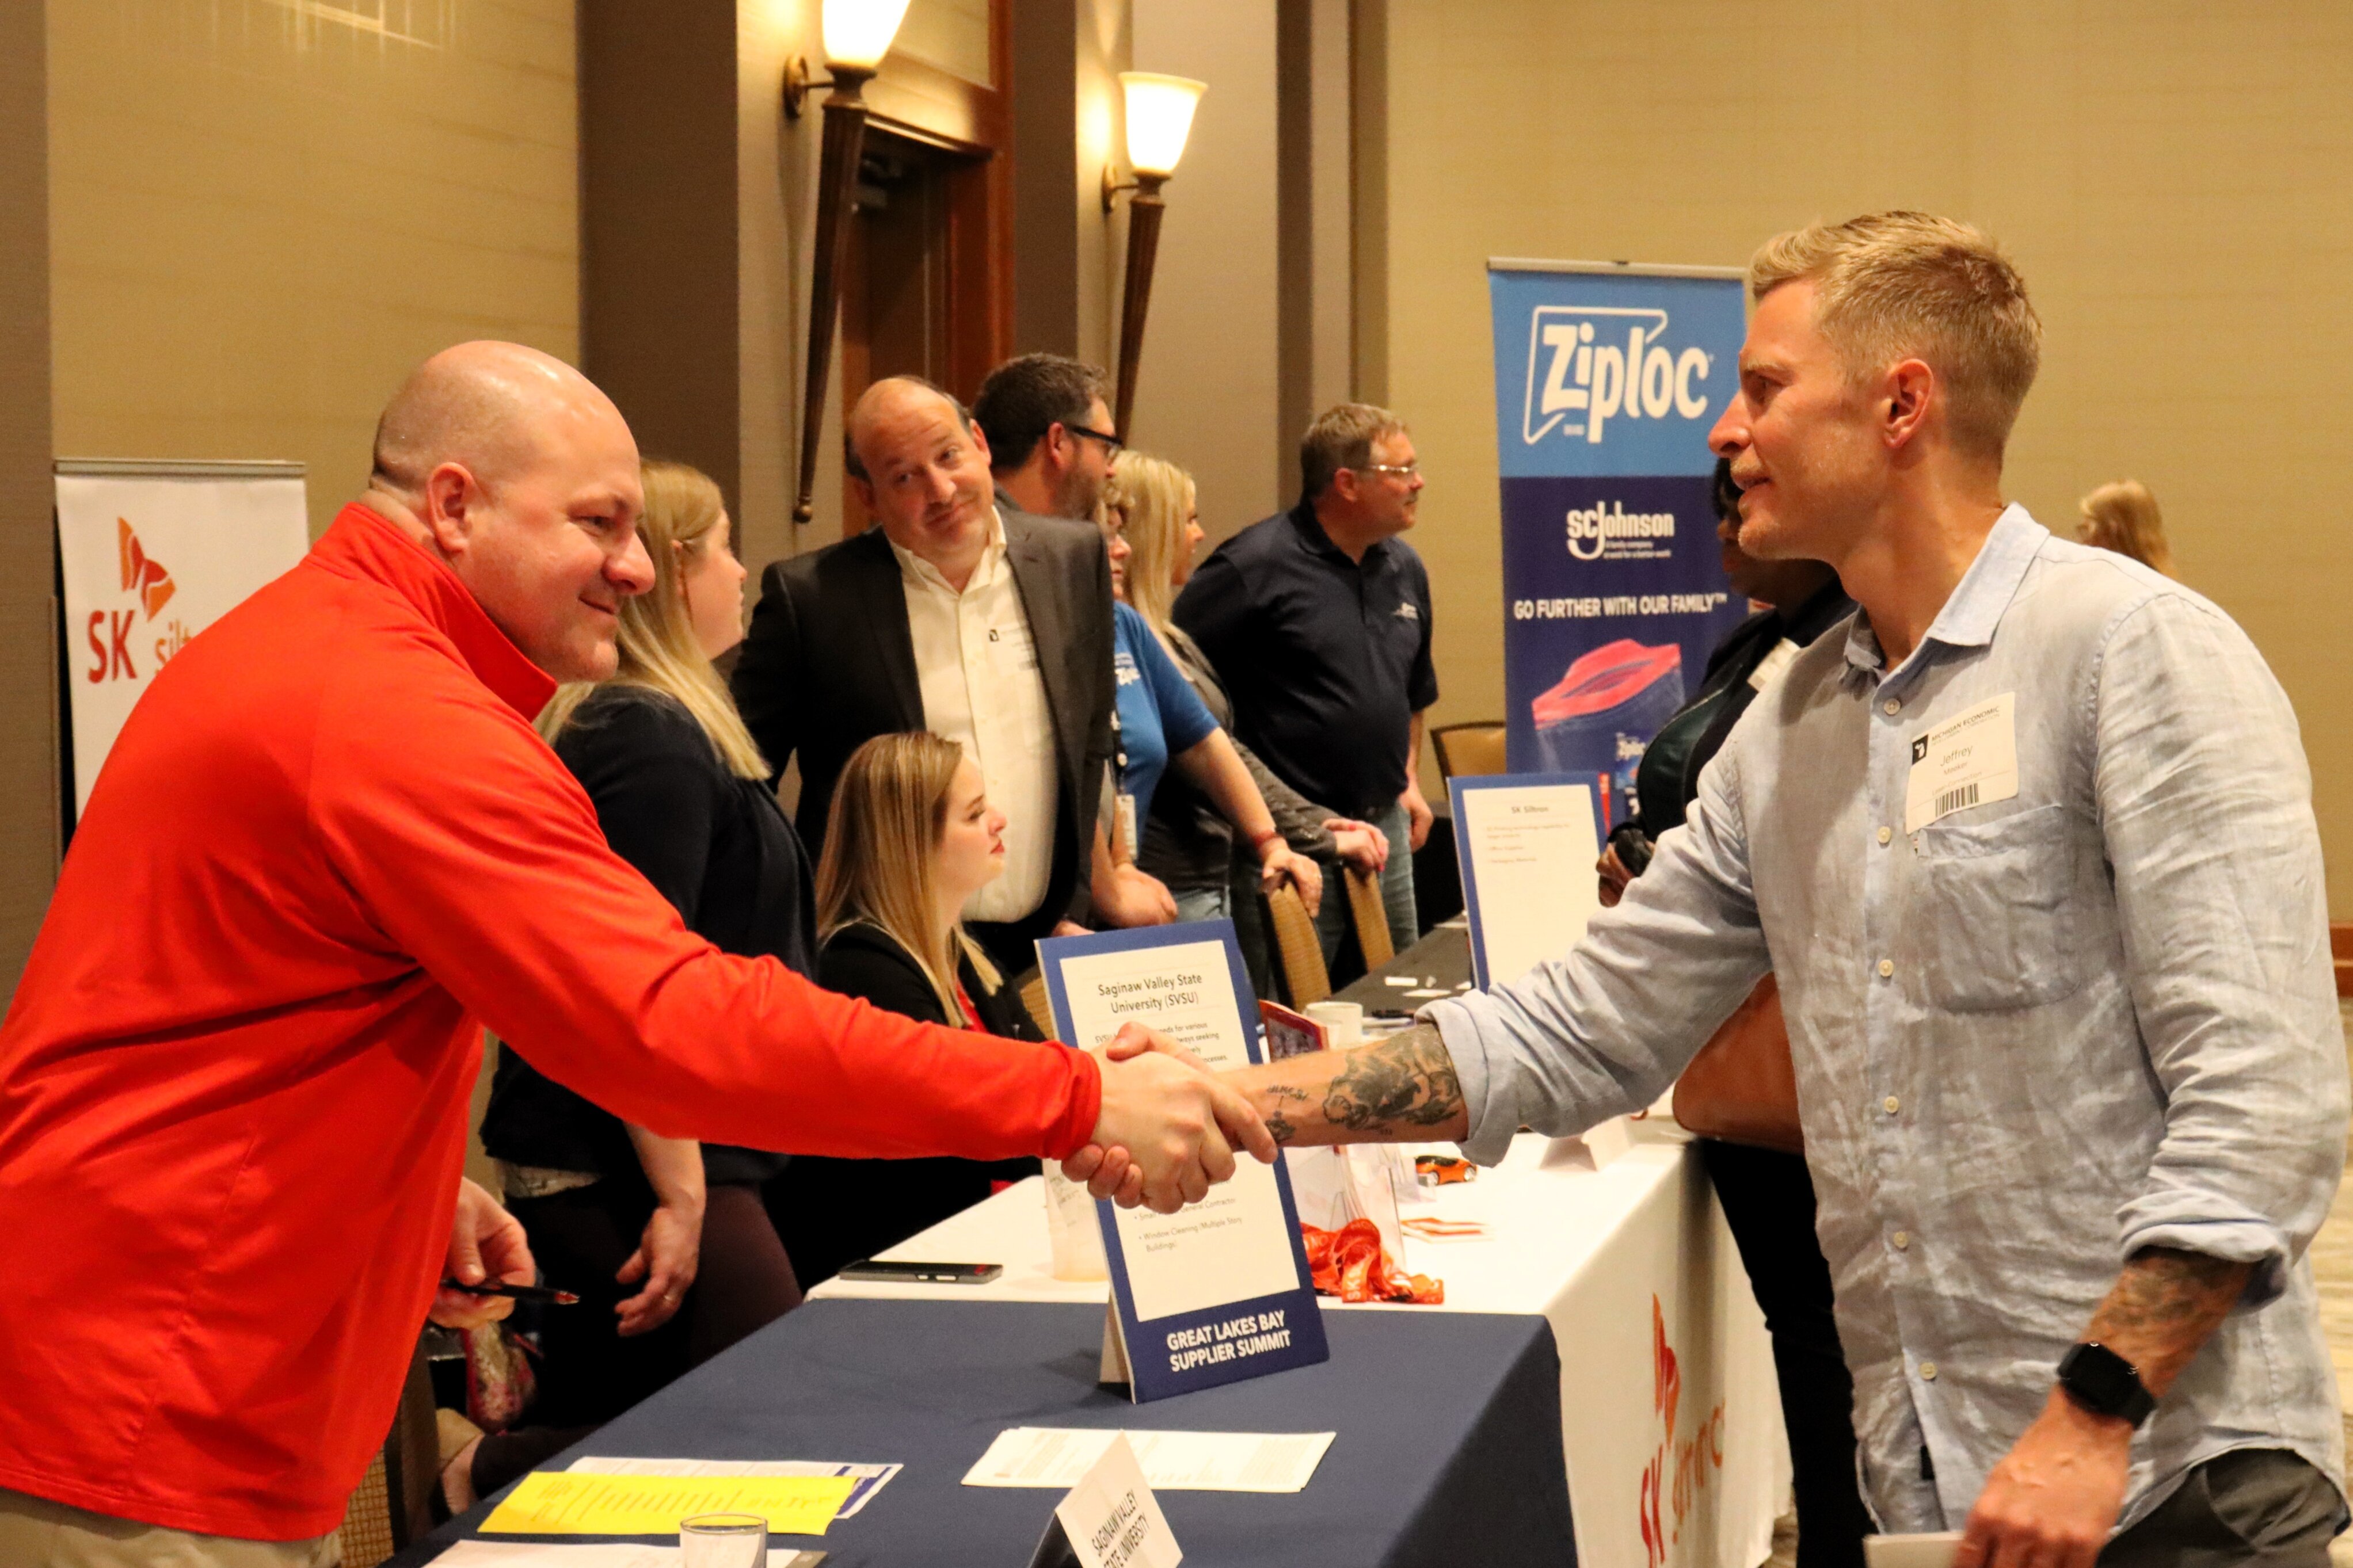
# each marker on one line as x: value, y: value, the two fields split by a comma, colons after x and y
x: 910, y: 838
x: 666, y: 1240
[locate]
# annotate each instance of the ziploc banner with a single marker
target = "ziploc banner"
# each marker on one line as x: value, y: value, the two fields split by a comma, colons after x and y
x: 1607, y: 380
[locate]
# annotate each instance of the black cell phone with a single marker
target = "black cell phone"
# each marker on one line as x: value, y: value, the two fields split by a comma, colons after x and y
x: 929, y: 1273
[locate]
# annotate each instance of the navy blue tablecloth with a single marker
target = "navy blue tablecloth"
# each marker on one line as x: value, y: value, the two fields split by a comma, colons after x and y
x: 1449, y: 1449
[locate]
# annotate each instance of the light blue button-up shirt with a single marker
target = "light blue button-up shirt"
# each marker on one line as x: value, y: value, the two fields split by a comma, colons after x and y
x: 2032, y: 1036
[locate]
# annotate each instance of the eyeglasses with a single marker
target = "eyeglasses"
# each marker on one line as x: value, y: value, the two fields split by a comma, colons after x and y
x: 1113, y: 444
x: 1402, y: 470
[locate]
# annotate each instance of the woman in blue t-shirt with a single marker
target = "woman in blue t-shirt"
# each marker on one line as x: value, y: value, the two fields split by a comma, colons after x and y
x: 1161, y: 724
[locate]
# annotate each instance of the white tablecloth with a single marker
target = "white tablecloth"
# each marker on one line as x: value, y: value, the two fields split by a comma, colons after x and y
x: 1670, y: 1417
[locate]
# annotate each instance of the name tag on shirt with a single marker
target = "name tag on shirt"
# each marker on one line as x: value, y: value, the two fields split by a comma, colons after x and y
x: 1783, y: 654
x: 1970, y: 760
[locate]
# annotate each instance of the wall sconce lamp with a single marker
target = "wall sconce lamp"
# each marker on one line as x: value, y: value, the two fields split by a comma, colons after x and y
x: 857, y: 34
x: 1159, y: 118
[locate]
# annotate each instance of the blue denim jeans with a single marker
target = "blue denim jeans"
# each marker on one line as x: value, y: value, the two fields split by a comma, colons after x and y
x: 1397, y: 890
x: 1203, y: 903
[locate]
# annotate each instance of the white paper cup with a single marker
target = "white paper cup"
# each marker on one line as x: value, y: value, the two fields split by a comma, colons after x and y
x: 1071, y: 1228
x: 1343, y: 1021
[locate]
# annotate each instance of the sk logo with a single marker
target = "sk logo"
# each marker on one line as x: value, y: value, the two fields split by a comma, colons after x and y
x: 141, y: 575
x: 1920, y: 750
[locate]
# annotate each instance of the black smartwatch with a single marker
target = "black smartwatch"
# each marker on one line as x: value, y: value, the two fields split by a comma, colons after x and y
x: 2104, y: 1383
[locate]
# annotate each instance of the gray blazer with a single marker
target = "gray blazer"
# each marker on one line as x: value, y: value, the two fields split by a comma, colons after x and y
x: 830, y: 663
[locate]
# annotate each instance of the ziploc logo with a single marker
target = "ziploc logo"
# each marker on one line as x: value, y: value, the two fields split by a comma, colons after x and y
x: 1588, y: 364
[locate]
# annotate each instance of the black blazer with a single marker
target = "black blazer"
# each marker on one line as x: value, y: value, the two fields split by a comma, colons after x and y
x: 829, y: 663
x: 712, y: 844
x: 833, y: 1211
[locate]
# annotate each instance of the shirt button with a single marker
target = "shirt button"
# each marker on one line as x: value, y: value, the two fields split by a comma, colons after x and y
x: 1891, y: 706
x: 1891, y: 1105
x: 1927, y: 1372
x: 1886, y: 968
x: 1902, y: 1238
x: 1886, y: 834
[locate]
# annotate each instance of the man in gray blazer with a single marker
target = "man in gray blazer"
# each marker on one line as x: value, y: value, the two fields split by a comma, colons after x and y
x: 957, y: 615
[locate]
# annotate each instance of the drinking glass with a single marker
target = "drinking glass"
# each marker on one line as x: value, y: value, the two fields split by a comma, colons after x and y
x: 724, y: 1541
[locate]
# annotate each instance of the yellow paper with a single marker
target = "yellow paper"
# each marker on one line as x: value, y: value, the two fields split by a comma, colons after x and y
x: 571, y: 1502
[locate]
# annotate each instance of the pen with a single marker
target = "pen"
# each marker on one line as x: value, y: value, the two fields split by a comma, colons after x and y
x: 515, y: 1292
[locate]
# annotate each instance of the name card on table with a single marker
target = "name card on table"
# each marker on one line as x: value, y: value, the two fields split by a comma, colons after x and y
x: 1110, y: 1519
x: 1219, y: 1292
x: 1528, y: 843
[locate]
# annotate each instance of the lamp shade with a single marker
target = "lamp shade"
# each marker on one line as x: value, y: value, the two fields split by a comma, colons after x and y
x: 1159, y: 118
x: 858, y: 33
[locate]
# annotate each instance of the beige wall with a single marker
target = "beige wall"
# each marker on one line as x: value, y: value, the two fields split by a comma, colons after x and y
x: 261, y: 218
x: 2171, y: 180
x: 1206, y: 392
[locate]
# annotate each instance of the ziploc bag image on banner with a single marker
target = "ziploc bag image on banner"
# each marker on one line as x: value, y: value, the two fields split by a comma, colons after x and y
x: 1607, y: 380
x: 1219, y: 1291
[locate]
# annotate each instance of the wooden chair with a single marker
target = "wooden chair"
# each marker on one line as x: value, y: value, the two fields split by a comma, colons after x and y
x: 1300, y: 955
x: 1041, y: 1011
x: 2340, y: 948
x: 389, y: 1511
x: 1372, y: 917
x: 1467, y: 750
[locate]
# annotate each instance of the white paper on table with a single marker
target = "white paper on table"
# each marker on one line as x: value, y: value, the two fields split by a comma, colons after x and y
x: 1255, y: 1257
x: 597, y: 1555
x: 1172, y: 1461
x: 868, y: 1479
x: 1531, y: 851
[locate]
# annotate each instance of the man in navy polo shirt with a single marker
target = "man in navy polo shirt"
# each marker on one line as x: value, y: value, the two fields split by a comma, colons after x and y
x: 1317, y: 619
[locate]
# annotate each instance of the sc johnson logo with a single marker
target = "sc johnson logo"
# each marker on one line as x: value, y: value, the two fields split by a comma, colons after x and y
x: 1611, y: 531
x: 1588, y: 364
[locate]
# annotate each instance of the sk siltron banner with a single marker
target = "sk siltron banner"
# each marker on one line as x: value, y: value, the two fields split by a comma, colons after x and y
x: 1607, y: 379
x: 152, y: 553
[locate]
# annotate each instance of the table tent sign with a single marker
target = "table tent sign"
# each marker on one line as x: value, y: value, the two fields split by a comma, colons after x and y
x: 1526, y: 844
x: 1608, y: 378
x: 1110, y: 1519
x: 1220, y: 1292
x: 150, y: 554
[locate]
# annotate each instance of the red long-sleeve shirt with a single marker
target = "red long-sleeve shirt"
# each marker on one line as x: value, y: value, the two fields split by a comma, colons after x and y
x: 233, y: 1079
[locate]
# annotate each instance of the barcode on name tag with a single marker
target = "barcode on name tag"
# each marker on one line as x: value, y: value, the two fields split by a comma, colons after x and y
x: 1953, y: 800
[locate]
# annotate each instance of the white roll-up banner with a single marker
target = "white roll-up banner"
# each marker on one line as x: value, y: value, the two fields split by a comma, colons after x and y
x: 151, y: 554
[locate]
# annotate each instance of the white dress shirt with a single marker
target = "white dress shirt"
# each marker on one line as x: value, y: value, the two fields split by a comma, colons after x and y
x: 2077, y: 1007
x: 976, y: 664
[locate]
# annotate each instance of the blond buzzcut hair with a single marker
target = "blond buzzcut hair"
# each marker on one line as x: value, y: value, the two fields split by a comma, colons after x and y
x: 1890, y: 285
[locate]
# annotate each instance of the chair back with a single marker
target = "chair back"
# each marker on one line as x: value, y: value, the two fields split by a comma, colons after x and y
x: 1372, y: 917
x: 1033, y: 1002
x: 1467, y: 750
x: 1304, y: 975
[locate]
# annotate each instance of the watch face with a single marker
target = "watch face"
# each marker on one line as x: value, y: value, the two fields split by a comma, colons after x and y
x: 2105, y: 1383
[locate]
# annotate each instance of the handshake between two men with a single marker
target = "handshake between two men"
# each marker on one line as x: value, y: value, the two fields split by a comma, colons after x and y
x: 1169, y: 1126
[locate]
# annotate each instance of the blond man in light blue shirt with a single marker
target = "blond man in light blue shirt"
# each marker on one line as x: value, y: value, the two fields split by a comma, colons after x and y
x: 2030, y: 848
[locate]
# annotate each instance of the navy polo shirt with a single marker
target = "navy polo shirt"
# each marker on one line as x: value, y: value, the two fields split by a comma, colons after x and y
x: 1327, y: 660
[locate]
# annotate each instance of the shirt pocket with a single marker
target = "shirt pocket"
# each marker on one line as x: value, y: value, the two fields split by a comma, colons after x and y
x: 1996, y: 932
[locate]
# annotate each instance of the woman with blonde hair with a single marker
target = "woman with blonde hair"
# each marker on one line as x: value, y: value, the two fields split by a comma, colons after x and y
x: 2123, y: 516
x: 911, y: 837
x: 666, y: 1241
x: 1187, y: 840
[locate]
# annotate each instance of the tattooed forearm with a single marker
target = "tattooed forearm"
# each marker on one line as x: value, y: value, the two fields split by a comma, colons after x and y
x: 2162, y: 1308
x: 1403, y: 1088
x: 1406, y: 1082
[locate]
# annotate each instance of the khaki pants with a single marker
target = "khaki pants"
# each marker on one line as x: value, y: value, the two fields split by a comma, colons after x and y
x: 38, y: 1533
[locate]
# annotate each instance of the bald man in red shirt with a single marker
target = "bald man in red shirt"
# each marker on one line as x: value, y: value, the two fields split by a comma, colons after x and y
x: 326, y: 849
